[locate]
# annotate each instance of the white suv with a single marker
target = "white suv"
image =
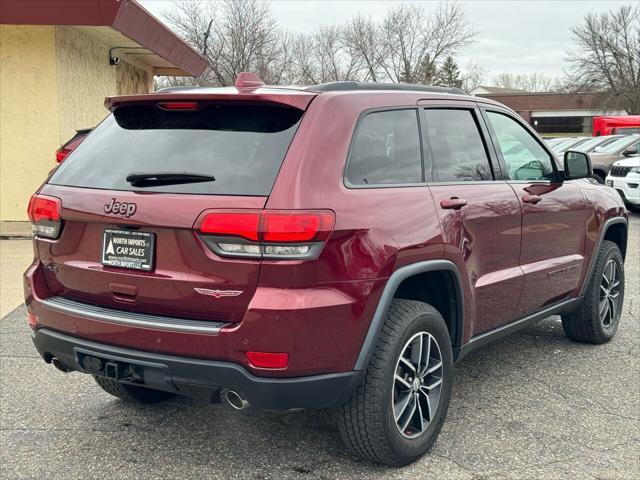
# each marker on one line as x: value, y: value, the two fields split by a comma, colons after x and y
x: 624, y: 176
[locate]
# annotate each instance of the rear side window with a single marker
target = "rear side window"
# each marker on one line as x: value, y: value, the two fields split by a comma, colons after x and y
x: 457, y: 152
x: 386, y: 150
x: 241, y: 145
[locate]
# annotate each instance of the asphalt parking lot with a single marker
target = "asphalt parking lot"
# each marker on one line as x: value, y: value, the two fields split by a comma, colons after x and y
x: 533, y: 405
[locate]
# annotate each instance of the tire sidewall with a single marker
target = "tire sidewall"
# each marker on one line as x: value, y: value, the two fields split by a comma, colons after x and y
x: 413, y: 448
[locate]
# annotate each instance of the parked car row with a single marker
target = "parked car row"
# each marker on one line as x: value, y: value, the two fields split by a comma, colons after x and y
x: 604, y: 151
x: 583, y: 144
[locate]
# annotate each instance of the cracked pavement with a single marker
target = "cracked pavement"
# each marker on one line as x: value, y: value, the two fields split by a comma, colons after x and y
x: 533, y: 405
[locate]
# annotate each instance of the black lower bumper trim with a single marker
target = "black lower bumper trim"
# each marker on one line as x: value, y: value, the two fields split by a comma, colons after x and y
x: 199, y: 378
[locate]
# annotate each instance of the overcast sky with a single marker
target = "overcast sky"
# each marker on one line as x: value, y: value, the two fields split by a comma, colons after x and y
x: 514, y: 36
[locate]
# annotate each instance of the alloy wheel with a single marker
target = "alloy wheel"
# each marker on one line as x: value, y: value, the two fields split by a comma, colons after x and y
x: 609, y: 294
x: 417, y: 384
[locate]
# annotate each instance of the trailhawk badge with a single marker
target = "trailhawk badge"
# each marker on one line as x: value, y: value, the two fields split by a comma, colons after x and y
x: 218, y: 293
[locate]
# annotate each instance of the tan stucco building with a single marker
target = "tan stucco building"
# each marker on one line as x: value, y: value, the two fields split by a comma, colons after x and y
x: 59, y: 59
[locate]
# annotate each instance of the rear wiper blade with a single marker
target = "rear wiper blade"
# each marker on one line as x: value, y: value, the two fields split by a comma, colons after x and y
x: 148, y: 179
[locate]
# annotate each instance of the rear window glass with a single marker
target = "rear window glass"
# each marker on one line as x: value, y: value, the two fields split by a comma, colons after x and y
x: 241, y: 146
x: 386, y: 150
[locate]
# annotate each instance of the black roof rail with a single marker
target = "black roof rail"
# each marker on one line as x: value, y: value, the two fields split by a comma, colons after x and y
x: 347, y: 86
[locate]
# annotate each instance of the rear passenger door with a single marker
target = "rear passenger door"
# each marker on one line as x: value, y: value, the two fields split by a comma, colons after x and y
x: 554, y: 213
x: 478, y: 211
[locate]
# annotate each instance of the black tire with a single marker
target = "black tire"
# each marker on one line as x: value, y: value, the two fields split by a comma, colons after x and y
x: 633, y: 208
x: 598, y: 177
x: 366, y: 422
x: 132, y: 393
x: 585, y: 324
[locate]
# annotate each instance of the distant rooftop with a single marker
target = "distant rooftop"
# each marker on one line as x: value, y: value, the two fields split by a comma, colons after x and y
x: 488, y: 90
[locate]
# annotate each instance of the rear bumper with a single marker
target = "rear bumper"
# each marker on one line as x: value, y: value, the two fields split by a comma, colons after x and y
x: 203, y: 379
x: 321, y: 328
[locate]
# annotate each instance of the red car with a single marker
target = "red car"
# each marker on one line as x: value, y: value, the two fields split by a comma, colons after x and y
x: 340, y: 245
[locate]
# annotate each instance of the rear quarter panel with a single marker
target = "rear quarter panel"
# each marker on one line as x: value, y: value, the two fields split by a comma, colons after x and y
x: 377, y: 231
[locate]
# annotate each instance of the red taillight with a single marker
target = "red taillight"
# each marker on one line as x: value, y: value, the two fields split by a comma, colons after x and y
x: 278, y: 234
x: 236, y: 224
x: 64, y: 151
x: 45, y: 215
x: 268, y: 360
x: 178, y: 105
x: 61, y: 154
x: 292, y: 227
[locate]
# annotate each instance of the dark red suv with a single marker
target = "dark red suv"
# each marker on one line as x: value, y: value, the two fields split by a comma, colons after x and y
x: 340, y: 245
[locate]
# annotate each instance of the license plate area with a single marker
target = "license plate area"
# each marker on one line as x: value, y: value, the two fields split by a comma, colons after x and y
x: 610, y: 183
x: 128, y: 249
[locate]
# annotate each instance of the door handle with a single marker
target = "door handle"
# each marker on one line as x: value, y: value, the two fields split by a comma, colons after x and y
x: 453, y: 203
x: 531, y: 198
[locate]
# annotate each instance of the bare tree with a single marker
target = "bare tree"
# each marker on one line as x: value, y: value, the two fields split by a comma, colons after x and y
x: 234, y: 36
x: 192, y: 21
x: 530, y: 82
x: 473, y: 76
x: 363, y: 39
x: 608, y: 56
x: 325, y: 56
x: 408, y: 45
x: 416, y: 41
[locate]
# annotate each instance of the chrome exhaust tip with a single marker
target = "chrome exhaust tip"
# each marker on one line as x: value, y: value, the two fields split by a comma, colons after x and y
x: 234, y: 400
x: 59, y: 365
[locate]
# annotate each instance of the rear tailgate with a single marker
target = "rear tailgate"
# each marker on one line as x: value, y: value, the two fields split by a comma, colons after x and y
x: 181, y: 262
x: 242, y: 145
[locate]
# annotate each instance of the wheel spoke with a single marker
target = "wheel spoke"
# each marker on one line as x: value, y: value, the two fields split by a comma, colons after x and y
x: 604, y: 307
x: 614, y: 272
x: 611, y: 269
x: 433, y: 368
x: 433, y: 384
x: 604, y: 290
x: 400, y: 407
x: 408, y: 364
x: 411, y: 413
x: 420, y: 413
x: 403, y: 382
x: 416, y: 352
x: 426, y: 398
x: 426, y: 358
x: 615, y: 284
x: 612, y: 309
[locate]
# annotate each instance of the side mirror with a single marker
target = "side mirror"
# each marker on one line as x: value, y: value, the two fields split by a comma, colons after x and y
x: 577, y: 165
x: 629, y: 152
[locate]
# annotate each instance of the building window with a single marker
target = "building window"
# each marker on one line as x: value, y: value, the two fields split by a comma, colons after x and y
x: 562, y: 124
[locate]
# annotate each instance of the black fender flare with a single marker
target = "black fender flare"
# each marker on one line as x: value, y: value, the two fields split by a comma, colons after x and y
x: 388, y: 293
x: 603, y: 231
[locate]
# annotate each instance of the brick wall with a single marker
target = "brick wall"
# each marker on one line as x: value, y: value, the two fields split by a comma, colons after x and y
x: 524, y: 103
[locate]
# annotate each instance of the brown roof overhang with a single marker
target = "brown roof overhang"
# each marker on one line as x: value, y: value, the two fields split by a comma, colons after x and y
x: 125, y: 16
